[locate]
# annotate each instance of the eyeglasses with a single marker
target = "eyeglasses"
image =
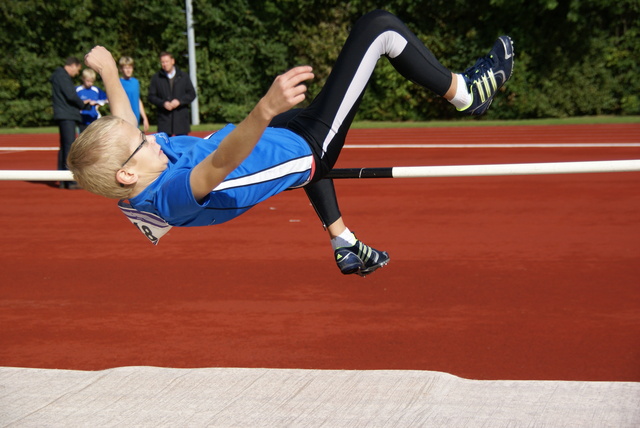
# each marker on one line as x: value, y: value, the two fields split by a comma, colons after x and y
x: 144, y: 140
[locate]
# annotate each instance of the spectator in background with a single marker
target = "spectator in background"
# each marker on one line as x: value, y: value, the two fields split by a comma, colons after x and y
x: 66, y: 109
x: 131, y: 86
x: 92, y: 96
x: 171, y: 91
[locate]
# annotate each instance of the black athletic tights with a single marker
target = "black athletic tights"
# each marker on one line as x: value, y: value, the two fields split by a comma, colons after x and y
x: 325, y: 122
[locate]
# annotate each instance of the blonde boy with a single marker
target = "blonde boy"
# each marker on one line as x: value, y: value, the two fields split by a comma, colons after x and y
x: 93, y: 98
x: 190, y: 181
x: 131, y: 86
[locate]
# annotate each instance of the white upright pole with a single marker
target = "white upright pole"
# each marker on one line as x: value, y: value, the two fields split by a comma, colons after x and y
x: 195, y: 111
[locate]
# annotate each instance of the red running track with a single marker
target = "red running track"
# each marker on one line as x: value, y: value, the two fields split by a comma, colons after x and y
x: 530, y: 277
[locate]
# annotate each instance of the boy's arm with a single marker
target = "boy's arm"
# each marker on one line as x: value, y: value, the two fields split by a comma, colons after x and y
x: 101, y: 60
x: 102, y: 97
x: 285, y: 92
x: 143, y: 115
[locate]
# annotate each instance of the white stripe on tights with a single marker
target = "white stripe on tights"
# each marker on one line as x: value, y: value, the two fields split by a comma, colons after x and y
x: 389, y: 43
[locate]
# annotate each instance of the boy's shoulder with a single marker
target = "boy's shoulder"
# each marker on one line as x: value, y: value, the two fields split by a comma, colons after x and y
x: 87, y: 91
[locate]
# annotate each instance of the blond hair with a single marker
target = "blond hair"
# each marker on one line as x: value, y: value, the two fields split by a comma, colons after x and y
x: 125, y: 60
x: 88, y: 73
x: 95, y: 158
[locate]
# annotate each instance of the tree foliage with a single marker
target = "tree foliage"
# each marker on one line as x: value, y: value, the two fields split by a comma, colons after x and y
x: 573, y: 57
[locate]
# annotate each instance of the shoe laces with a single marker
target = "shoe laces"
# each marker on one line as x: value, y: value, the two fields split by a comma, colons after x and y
x: 482, y: 65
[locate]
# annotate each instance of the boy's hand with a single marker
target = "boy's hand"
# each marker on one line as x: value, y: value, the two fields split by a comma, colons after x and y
x: 99, y: 59
x: 286, y: 91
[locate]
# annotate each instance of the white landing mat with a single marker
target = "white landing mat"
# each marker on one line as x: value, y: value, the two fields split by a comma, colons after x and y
x: 236, y: 397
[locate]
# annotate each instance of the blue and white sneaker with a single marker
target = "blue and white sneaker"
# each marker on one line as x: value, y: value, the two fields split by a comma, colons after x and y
x: 488, y: 75
x: 360, y: 259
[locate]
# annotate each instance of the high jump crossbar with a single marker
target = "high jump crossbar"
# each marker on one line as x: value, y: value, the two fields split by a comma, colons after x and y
x: 407, y: 171
x: 488, y: 170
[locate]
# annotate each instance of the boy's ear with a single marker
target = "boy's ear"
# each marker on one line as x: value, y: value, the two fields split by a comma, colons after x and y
x: 126, y: 178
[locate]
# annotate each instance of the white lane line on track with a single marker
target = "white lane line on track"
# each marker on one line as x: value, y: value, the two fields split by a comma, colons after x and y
x: 416, y: 146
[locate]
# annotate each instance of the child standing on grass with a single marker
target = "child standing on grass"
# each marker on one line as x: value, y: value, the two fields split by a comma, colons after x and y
x: 190, y: 181
x: 131, y: 86
x: 93, y: 98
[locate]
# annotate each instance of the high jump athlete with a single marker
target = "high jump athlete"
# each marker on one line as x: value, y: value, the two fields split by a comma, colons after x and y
x: 190, y: 181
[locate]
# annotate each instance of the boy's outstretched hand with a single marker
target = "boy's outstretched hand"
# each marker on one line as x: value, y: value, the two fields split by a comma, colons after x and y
x: 286, y: 91
x: 99, y: 59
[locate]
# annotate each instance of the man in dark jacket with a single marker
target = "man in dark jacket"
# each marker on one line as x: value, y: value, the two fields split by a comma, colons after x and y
x: 171, y: 91
x: 66, y: 108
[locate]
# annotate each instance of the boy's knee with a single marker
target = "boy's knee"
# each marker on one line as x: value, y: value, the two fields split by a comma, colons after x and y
x: 379, y: 18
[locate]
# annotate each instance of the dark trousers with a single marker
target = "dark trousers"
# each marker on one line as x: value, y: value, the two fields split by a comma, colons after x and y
x: 67, y: 137
x: 325, y: 122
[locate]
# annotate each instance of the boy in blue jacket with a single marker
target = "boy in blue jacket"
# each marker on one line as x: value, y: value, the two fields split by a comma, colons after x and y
x: 92, y: 96
x: 189, y: 181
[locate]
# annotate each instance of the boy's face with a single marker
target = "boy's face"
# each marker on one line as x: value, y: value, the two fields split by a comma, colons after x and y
x: 87, y: 82
x: 127, y: 71
x: 149, y: 157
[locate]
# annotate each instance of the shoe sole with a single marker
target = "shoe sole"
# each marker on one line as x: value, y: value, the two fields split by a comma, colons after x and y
x: 371, y: 269
x: 510, y: 54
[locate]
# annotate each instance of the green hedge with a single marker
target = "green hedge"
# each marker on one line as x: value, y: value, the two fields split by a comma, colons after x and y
x: 572, y: 57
